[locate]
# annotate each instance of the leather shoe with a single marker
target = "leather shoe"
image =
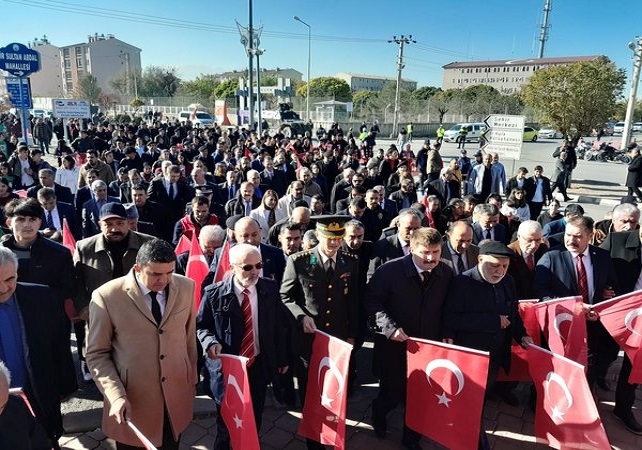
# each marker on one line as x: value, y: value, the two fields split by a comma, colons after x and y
x: 603, y: 384
x: 629, y: 421
x: 410, y: 444
x: 379, y: 423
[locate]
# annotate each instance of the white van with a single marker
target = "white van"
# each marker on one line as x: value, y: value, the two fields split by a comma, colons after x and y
x: 202, y: 118
x: 474, y: 131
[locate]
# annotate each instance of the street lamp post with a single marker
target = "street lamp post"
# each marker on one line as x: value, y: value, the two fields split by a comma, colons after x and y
x: 307, y: 97
x: 635, y: 79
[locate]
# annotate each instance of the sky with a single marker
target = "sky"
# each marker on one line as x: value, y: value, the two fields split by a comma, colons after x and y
x: 200, y: 37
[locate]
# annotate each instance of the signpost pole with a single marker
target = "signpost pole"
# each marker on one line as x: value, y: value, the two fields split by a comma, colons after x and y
x: 23, y: 113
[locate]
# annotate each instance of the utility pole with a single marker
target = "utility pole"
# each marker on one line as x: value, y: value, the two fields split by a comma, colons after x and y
x: 635, y: 80
x: 259, y: 122
x: 400, y: 41
x: 250, y: 68
x: 544, y: 27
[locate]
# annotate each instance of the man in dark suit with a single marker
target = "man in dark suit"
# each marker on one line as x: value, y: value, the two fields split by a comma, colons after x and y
x: 529, y: 249
x: 558, y: 226
x: 168, y: 190
x: 35, y: 345
x: 273, y: 179
x: 151, y: 212
x: 381, y: 218
x: 625, y: 249
x: 229, y: 189
x: 582, y: 269
x: 487, y: 225
x: 53, y: 215
x: 211, y: 238
x: 222, y: 327
x: 244, y: 202
x: 538, y: 192
x: 91, y: 208
x: 398, y: 244
x: 458, y: 251
x: 445, y: 187
x: 248, y: 231
x: 406, y: 195
x: 83, y: 194
x: 46, y: 178
x: 321, y: 290
x: 411, y: 306
x: 386, y: 204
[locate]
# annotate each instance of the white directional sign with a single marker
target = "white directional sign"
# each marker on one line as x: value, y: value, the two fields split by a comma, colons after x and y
x: 505, y: 135
x: 71, y: 109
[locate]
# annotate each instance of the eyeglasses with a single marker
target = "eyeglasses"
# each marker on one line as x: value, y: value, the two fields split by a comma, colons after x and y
x: 248, y: 267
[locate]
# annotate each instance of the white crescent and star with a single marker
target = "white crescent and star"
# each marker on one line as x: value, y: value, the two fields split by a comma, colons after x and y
x: 559, y: 318
x: 231, y: 381
x: 628, y: 320
x: 334, y: 370
x: 556, y: 413
x: 448, y: 365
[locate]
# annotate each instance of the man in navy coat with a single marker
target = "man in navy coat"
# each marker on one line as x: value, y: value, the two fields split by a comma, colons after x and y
x: 222, y: 327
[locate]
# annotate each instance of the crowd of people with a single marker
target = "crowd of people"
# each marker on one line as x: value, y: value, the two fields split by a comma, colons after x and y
x: 318, y: 229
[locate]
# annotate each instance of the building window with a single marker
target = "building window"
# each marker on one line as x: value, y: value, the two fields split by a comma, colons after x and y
x: 78, y: 50
x: 70, y: 86
x: 67, y: 64
x: 65, y: 52
x: 79, y: 62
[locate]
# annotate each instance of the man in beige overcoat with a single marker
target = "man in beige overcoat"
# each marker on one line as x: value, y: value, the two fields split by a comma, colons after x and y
x: 142, y: 349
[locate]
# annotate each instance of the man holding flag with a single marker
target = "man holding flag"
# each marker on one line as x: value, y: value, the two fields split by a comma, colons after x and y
x: 243, y: 315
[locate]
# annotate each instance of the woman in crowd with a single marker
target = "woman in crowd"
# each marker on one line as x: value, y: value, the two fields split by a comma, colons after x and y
x: 268, y: 213
x: 68, y: 174
x: 515, y: 208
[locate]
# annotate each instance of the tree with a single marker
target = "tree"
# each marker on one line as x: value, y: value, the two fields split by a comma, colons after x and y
x: 87, y: 88
x: 107, y: 100
x: 136, y: 103
x: 158, y: 82
x: 202, y: 87
x: 226, y: 89
x: 425, y: 92
x: 327, y: 87
x: 577, y: 97
x: 364, y: 103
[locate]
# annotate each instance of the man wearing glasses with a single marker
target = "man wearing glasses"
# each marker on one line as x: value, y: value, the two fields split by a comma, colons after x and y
x: 320, y: 289
x: 242, y: 315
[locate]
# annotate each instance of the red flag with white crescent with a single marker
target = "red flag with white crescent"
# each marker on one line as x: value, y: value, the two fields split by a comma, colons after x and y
x: 621, y: 318
x: 196, y: 269
x: 518, y: 359
x: 184, y: 244
x: 445, y: 392
x: 224, y: 266
x: 236, y: 406
x: 68, y: 239
x: 324, y: 411
x: 565, y: 416
x: 147, y: 444
x: 563, y: 322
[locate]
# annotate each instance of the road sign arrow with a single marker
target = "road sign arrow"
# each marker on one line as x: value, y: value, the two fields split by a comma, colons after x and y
x: 19, y: 74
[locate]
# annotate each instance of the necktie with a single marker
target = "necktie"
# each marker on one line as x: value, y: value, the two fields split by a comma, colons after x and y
x: 330, y: 268
x: 460, y: 263
x: 171, y: 191
x: 248, y: 208
x: 488, y: 236
x: 425, y: 275
x: 271, y: 218
x: 247, y: 343
x: 582, y: 282
x: 530, y: 262
x: 49, y: 221
x: 156, y: 312
x: 230, y: 196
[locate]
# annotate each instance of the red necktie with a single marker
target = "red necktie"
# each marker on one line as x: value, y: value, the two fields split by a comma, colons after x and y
x: 582, y: 282
x: 247, y: 343
x: 530, y: 262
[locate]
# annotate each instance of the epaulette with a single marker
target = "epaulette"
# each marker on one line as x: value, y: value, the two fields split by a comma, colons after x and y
x: 300, y: 255
x: 351, y: 255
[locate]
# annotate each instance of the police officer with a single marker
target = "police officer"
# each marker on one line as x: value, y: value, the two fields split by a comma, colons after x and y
x: 320, y: 289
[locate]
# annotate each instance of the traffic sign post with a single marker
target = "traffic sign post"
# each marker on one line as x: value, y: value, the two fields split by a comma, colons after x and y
x: 505, y: 135
x: 19, y: 99
x: 20, y: 61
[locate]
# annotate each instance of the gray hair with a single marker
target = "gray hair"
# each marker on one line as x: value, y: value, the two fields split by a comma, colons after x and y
x: 98, y: 184
x: 7, y: 256
x: 4, y: 371
x: 529, y: 226
x: 409, y: 212
x: 485, y: 209
x: 212, y: 232
x: 310, y: 236
x: 240, y: 251
x: 626, y: 209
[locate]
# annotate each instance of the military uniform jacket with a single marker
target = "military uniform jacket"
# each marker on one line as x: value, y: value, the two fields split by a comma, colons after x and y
x: 331, y: 301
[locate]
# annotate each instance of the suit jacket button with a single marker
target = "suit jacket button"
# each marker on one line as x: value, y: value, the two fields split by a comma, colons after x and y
x: 163, y: 379
x: 328, y: 311
x: 160, y: 331
x: 327, y: 324
x: 162, y: 357
x: 329, y: 299
x: 329, y: 286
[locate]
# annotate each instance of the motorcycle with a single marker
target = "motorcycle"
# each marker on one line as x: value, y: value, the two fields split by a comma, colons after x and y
x: 607, y: 152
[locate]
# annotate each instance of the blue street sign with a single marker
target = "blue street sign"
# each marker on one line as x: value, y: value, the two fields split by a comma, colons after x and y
x: 20, y: 98
x: 19, y: 60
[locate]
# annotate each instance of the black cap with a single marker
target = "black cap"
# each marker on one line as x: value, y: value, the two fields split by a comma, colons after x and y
x: 231, y: 221
x: 495, y: 248
x: 426, y: 141
x: 478, y: 154
x: 112, y: 210
x: 331, y: 226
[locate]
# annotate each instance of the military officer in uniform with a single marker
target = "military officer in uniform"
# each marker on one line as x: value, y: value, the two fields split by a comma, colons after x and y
x: 320, y: 289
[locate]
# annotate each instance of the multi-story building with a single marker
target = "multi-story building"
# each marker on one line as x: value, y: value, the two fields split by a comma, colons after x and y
x: 293, y: 75
x: 507, y: 76
x: 374, y: 83
x: 47, y: 82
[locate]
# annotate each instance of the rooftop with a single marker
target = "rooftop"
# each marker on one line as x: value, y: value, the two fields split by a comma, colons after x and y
x: 520, y: 62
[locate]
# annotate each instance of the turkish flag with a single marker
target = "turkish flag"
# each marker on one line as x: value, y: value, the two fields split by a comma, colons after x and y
x: 147, y: 444
x: 445, y: 395
x: 236, y: 407
x: 620, y: 317
x: 518, y: 360
x: 68, y: 239
x: 566, y: 415
x: 196, y: 269
x: 324, y: 410
x: 183, y: 245
x: 563, y: 322
x: 224, y: 266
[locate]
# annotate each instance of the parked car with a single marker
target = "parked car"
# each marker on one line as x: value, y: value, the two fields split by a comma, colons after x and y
x: 549, y: 133
x: 530, y: 134
x: 197, y: 118
x: 41, y: 113
x: 618, y: 128
x: 637, y: 127
x: 474, y: 131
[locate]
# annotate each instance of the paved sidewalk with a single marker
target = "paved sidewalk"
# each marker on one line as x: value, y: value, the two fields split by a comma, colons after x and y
x: 508, y: 427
